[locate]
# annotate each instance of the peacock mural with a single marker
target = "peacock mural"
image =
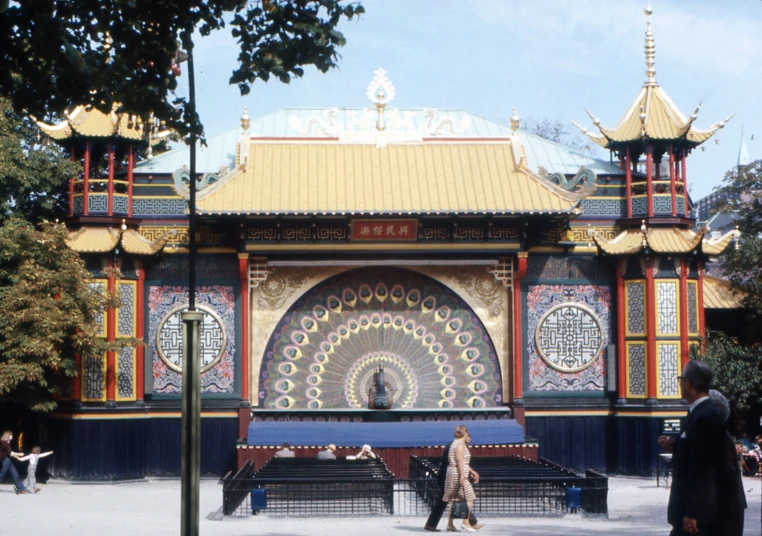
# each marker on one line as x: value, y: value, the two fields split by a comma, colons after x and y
x: 327, y: 348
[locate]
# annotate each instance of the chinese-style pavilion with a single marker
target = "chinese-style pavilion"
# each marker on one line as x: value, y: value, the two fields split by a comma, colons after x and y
x: 491, y: 272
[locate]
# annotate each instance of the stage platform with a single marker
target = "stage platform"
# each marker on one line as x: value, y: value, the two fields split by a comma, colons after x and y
x: 408, y: 433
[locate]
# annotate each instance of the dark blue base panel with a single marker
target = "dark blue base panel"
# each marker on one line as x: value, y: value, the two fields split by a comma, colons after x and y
x: 382, y: 434
x: 622, y: 445
x: 120, y: 449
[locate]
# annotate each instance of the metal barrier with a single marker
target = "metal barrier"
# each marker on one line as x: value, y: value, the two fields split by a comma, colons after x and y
x: 236, y: 489
x: 541, y: 492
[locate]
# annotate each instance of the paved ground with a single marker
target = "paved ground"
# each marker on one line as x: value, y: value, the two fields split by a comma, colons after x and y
x: 151, y: 508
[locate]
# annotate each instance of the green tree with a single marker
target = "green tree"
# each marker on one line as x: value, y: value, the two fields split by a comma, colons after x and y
x: 49, y: 311
x: 34, y: 177
x: 59, y: 53
x: 737, y: 371
x: 743, y: 266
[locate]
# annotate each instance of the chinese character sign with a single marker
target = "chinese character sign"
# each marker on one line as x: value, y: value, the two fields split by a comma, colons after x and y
x: 384, y: 230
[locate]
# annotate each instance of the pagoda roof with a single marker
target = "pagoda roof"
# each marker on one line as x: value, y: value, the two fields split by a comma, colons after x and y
x: 719, y: 294
x: 89, y: 122
x: 652, y: 115
x: 220, y: 150
x: 446, y: 177
x: 663, y: 240
x: 105, y: 239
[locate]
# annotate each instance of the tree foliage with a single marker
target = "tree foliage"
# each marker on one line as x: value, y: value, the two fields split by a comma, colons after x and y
x: 743, y: 266
x: 737, y: 370
x: 49, y: 312
x: 33, y: 177
x: 59, y: 53
x: 557, y: 131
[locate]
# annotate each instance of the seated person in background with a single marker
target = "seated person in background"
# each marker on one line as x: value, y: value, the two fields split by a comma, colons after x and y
x: 285, y: 451
x: 366, y: 454
x: 328, y: 453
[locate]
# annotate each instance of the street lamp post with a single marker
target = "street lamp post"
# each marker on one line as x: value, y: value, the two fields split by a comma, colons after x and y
x: 190, y: 465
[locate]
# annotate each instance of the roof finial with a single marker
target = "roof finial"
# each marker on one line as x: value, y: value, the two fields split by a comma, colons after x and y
x: 514, y: 120
x: 650, y: 49
x: 245, y: 121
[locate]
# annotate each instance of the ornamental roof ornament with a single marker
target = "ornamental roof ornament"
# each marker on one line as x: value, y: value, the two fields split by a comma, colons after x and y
x: 653, y: 115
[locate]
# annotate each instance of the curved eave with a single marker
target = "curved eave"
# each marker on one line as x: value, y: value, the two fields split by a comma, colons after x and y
x: 718, y: 294
x: 93, y: 240
x: 92, y: 123
x: 133, y: 242
x: 718, y: 245
x: 626, y: 243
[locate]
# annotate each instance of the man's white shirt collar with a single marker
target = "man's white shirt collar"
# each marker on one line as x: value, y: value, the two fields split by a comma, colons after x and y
x: 697, y: 402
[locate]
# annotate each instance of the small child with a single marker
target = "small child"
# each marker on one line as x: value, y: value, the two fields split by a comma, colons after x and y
x: 33, y: 458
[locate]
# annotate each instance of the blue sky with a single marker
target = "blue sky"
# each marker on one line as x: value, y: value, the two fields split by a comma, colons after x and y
x: 548, y: 58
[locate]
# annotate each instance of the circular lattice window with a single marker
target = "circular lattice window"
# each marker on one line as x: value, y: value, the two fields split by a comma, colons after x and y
x: 569, y: 337
x: 169, y: 338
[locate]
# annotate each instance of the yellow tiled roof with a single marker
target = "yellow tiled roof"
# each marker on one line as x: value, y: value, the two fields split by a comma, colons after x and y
x: 93, y: 240
x: 94, y: 124
x: 669, y: 240
x: 718, y: 294
x: 135, y: 243
x: 104, y: 239
x: 653, y: 115
x: 429, y: 178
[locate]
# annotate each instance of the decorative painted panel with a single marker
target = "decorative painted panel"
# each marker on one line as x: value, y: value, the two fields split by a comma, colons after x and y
x: 662, y: 204
x: 94, y: 378
x: 680, y: 205
x: 639, y: 206
x: 693, y: 323
x: 605, y: 207
x: 125, y: 327
x: 569, y: 337
x: 78, y: 205
x: 99, y: 287
x: 635, y: 304
x: 211, y: 267
x: 636, y: 370
x: 329, y: 344
x: 121, y: 204
x: 668, y: 365
x: 97, y: 203
x: 153, y: 206
x: 125, y: 374
x: 566, y: 267
x: 164, y: 338
x: 666, y: 308
x: 125, y: 313
x: 544, y: 299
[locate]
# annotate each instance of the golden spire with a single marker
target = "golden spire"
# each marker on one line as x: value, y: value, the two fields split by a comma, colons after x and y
x: 650, y: 49
x: 514, y: 121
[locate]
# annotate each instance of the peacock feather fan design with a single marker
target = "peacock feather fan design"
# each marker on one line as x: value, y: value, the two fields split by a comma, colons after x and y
x: 326, y: 349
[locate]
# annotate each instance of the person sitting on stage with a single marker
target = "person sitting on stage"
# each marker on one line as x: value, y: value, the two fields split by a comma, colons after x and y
x: 328, y: 453
x: 285, y: 452
x: 366, y: 454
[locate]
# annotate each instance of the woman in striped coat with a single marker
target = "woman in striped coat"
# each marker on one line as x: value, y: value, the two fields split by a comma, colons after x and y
x: 458, y: 486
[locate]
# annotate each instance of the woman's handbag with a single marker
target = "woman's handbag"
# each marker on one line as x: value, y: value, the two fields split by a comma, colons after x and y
x: 459, y: 508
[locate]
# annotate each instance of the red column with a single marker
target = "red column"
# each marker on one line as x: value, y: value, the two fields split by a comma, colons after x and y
x: 244, y: 417
x: 628, y: 175
x: 111, y: 178
x: 86, y: 185
x: 130, y: 165
x: 140, y: 351
x: 672, y: 181
x: 621, y: 384
x: 684, y: 311
x: 685, y: 184
x: 110, y: 337
x: 702, y: 312
x: 650, y: 181
x: 518, y: 339
x: 650, y: 330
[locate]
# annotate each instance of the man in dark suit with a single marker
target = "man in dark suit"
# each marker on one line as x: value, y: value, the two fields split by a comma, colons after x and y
x: 439, y: 504
x: 702, y: 493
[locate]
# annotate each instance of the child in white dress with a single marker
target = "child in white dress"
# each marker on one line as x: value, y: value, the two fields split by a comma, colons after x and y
x: 31, y: 478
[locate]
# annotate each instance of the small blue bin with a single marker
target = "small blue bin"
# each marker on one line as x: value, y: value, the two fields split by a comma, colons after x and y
x: 573, y: 499
x: 258, y: 499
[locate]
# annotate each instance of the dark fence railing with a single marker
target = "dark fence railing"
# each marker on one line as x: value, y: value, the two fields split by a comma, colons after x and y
x: 509, y: 486
x: 236, y: 488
